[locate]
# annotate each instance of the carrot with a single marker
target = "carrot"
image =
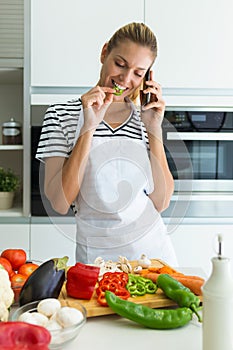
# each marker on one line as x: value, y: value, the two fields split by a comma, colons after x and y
x: 194, y: 283
x: 166, y: 269
x: 151, y: 275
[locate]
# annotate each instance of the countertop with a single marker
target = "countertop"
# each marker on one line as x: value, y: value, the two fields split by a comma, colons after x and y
x: 113, y: 332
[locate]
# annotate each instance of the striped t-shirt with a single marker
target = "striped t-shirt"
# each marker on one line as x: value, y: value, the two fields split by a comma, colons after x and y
x: 60, y: 124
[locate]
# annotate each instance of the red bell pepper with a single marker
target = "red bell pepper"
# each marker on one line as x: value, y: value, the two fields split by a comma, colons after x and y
x: 81, y: 280
x: 114, y: 282
x: 23, y: 336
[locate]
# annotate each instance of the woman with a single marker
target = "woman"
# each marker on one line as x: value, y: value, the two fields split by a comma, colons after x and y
x: 105, y: 157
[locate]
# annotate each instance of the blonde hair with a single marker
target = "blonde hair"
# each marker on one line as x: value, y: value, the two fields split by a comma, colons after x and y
x: 138, y: 33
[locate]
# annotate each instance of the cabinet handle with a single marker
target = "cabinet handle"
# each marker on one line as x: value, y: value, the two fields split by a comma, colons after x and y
x: 199, y: 136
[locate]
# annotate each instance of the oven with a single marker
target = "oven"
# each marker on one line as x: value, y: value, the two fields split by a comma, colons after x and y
x: 199, y: 148
x: 40, y: 205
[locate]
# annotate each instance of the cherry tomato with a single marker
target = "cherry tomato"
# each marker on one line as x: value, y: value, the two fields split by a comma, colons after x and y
x: 27, y: 269
x: 7, y: 265
x: 17, y: 257
x: 17, y: 282
x: 12, y: 274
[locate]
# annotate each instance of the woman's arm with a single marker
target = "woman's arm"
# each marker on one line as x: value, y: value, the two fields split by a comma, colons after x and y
x: 63, y: 176
x: 163, y: 180
x: 152, y: 116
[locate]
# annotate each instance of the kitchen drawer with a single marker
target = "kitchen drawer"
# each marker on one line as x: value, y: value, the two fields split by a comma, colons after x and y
x: 14, y: 236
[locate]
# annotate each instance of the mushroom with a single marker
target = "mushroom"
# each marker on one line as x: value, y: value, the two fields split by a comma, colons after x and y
x: 53, y: 325
x: 99, y: 261
x: 68, y: 316
x: 34, y: 318
x: 48, y: 306
x: 137, y: 269
x: 124, y: 265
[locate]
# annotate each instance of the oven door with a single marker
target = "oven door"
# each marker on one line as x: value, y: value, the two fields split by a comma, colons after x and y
x: 40, y: 205
x: 201, y: 164
x: 202, y: 157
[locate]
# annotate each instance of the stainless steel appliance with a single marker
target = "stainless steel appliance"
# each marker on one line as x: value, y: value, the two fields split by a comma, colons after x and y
x: 40, y: 205
x: 199, y: 148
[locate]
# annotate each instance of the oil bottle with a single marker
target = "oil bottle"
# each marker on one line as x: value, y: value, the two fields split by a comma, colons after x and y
x: 218, y: 305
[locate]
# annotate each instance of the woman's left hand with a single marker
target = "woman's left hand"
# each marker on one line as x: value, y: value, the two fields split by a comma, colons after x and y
x: 153, y: 113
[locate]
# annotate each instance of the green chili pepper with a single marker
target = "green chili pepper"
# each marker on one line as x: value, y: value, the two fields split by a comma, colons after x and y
x: 146, y: 316
x: 176, y: 291
x: 139, y: 286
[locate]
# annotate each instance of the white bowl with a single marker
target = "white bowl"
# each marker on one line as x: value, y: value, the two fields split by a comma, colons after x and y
x: 59, y: 338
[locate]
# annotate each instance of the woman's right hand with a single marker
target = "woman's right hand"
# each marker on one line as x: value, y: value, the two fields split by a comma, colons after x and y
x: 95, y: 103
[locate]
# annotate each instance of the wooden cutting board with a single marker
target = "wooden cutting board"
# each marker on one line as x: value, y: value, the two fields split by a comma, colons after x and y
x: 93, y: 308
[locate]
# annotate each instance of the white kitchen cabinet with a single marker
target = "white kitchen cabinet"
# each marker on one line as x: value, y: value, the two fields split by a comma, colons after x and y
x: 53, y: 241
x: 15, y: 236
x: 11, y: 30
x: 195, y: 42
x: 195, y: 245
x: 67, y: 37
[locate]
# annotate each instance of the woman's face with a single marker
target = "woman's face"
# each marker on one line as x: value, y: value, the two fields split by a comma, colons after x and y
x: 125, y: 67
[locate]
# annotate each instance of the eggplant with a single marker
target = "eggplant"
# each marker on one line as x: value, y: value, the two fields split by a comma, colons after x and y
x: 45, y: 282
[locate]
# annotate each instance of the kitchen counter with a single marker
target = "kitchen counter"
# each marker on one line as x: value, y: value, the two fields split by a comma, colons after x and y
x: 113, y: 332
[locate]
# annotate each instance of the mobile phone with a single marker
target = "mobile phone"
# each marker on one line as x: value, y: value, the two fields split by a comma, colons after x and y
x: 145, y: 98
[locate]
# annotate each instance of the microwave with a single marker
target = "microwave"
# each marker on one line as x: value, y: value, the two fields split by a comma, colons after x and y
x: 199, y: 148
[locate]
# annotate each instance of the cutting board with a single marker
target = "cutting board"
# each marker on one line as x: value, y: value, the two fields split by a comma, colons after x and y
x: 93, y: 308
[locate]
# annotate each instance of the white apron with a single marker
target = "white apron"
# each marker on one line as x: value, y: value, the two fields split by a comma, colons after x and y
x: 114, y: 215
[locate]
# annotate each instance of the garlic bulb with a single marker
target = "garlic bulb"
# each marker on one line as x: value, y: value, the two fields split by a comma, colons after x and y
x: 144, y: 262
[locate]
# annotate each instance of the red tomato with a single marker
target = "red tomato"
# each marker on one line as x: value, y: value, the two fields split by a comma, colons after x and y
x: 6, y: 264
x: 18, y: 280
x: 12, y: 274
x: 27, y: 269
x: 17, y: 257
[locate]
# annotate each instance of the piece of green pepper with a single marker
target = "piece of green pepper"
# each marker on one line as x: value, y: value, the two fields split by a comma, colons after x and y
x: 139, y: 286
x: 151, y: 288
x: 176, y: 291
x: 148, y: 317
x: 137, y: 289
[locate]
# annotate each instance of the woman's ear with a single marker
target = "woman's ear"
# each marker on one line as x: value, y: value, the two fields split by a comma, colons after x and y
x: 103, y: 53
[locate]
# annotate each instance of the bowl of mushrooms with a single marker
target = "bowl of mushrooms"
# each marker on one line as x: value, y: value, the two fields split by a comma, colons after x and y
x: 63, y: 322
